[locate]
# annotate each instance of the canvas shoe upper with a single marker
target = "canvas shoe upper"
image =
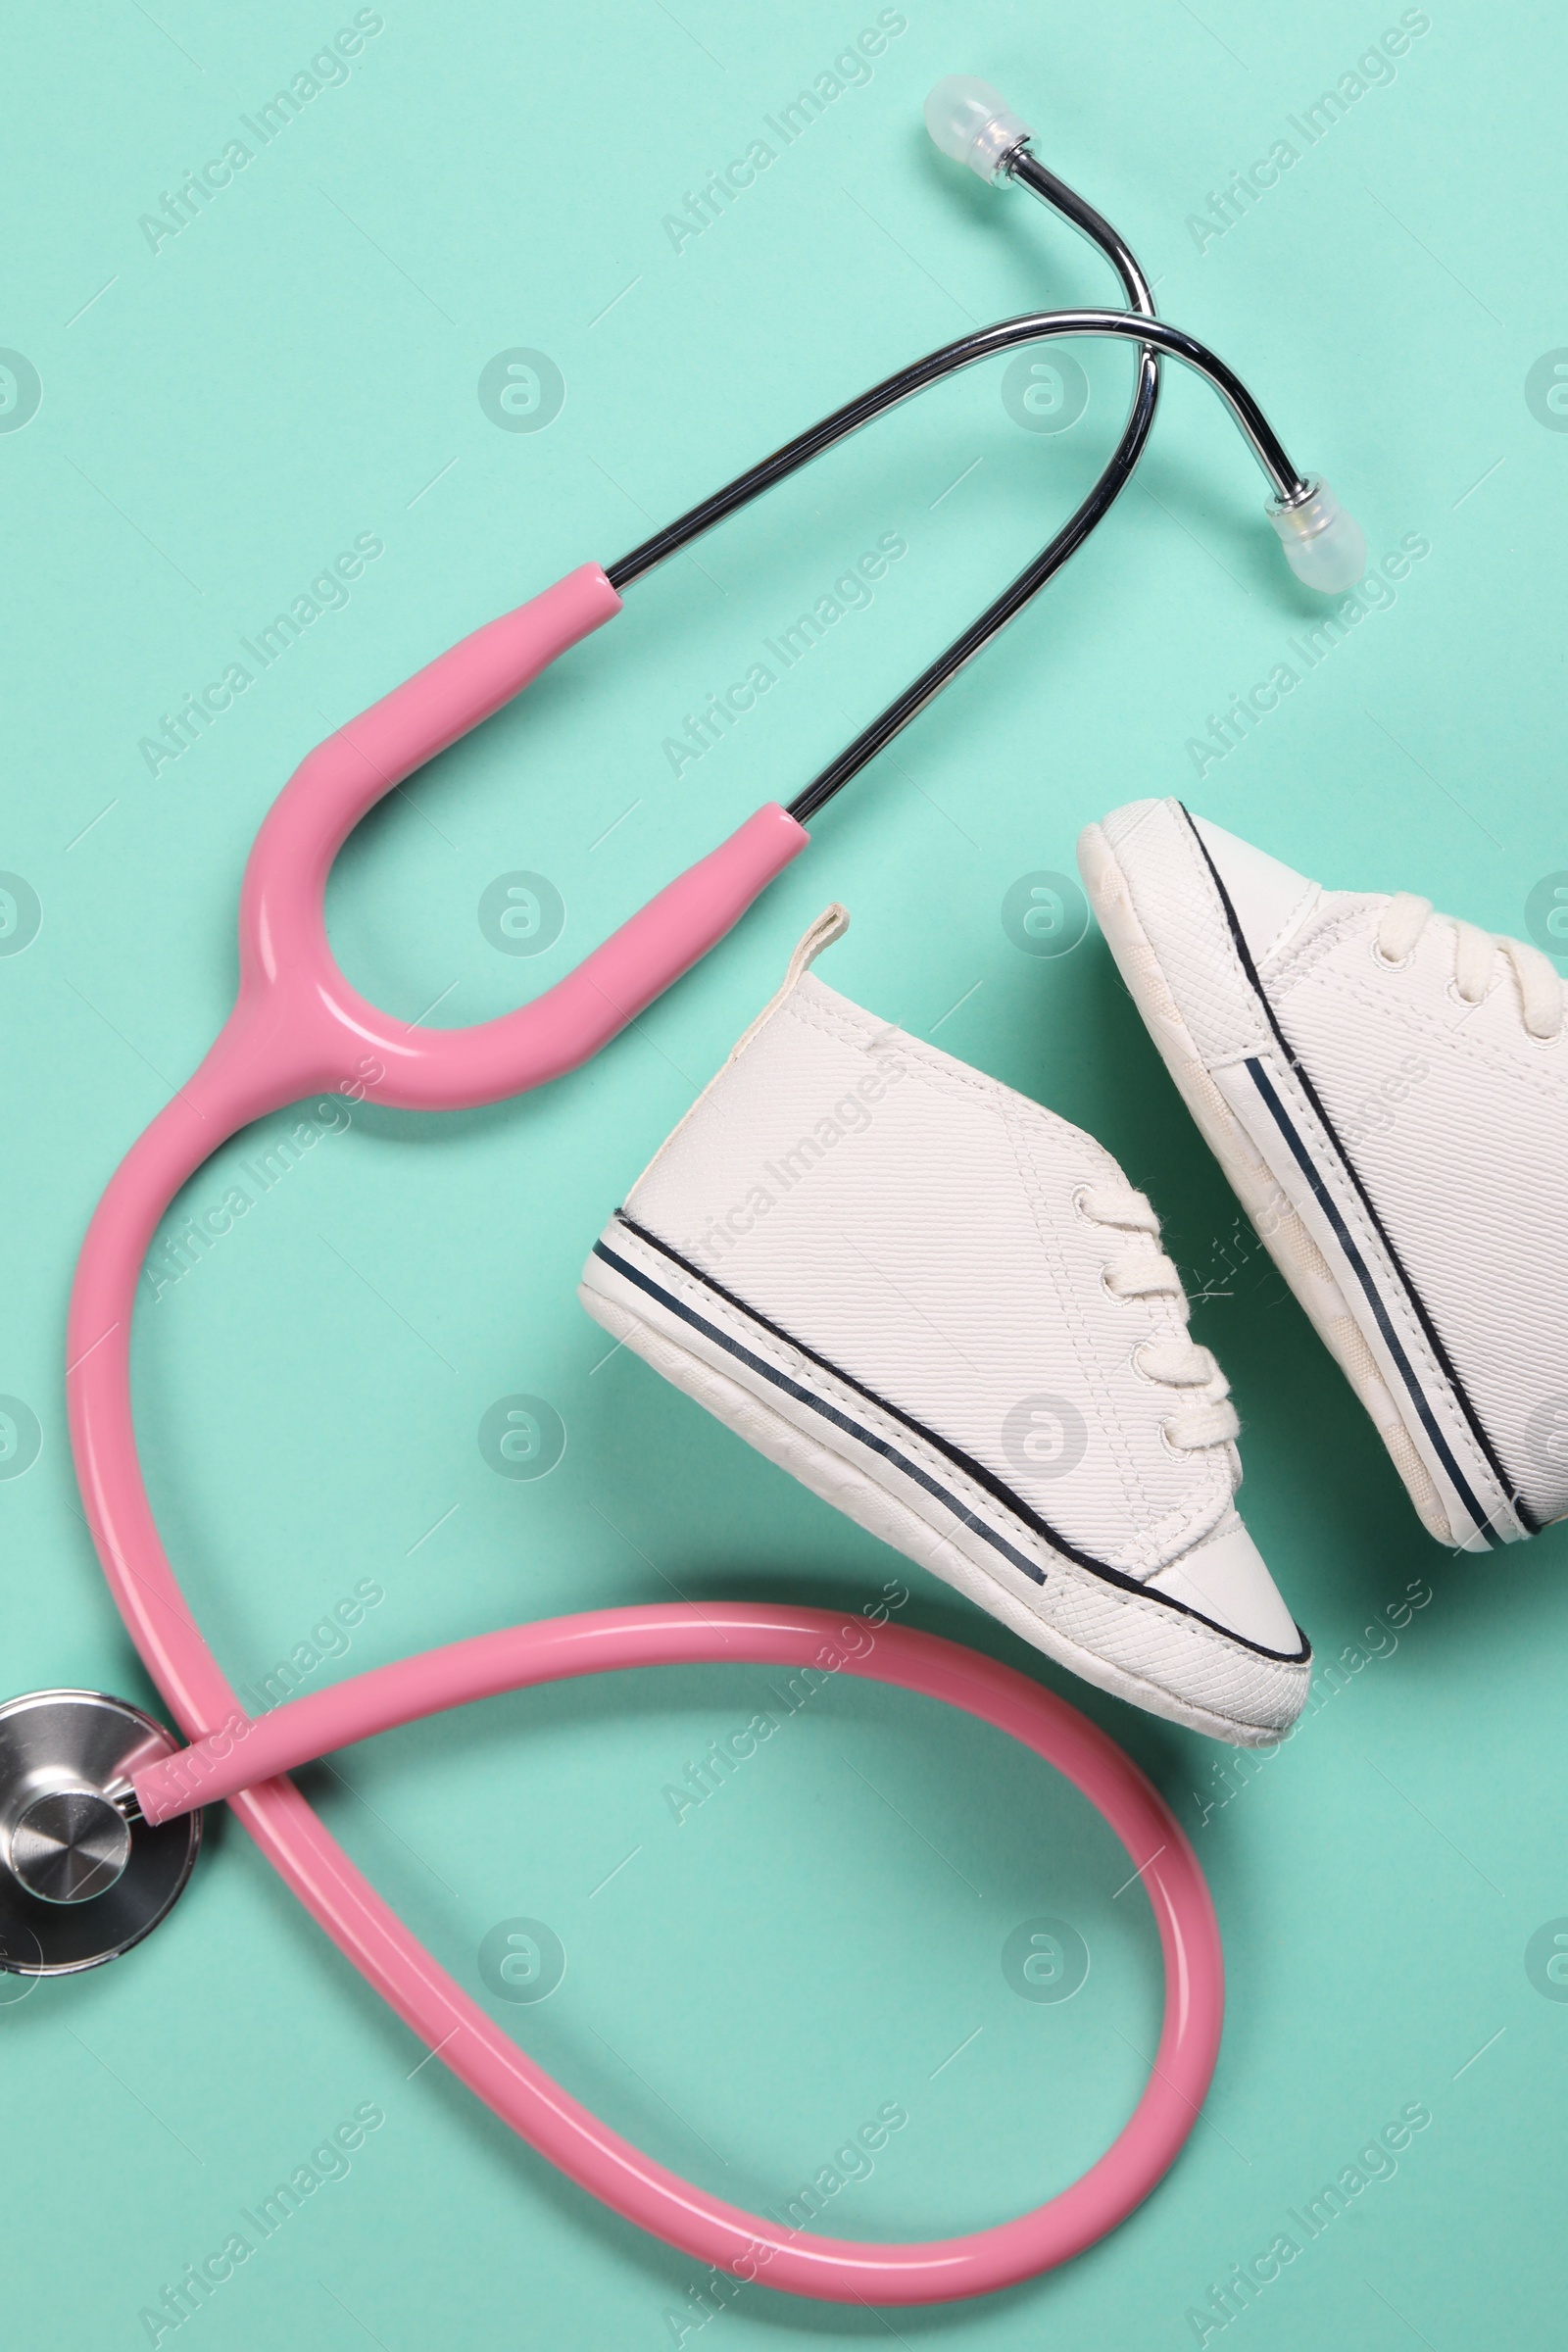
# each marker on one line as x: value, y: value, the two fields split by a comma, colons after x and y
x: 946, y: 1310
x: 1387, y: 1091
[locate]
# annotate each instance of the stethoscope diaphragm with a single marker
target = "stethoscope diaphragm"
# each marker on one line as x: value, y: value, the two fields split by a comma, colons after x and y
x: 83, y: 1877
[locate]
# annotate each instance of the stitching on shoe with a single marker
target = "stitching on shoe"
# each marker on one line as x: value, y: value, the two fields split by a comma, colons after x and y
x: 1272, y: 1681
x: 1453, y: 1395
x: 1153, y: 1533
x: 1071, y: 1308
x: 1321, y: 940
x: 1476, y: 1049
x: 1350, y: 1206
x: 786, y: 1353
x: 1029, y: 1126
x: 757, y: 1328
x: 941, y: 1070
x: 1292, y: 1245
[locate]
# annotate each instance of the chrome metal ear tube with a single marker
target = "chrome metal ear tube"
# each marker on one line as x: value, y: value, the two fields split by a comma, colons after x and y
x: 1289, y: 486
x: 1319, y: 540
x: 1022, y: 165
x: 967, y: 350
x: 1290, y: 490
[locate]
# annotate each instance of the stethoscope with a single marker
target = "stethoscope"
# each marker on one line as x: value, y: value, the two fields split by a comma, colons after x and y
x: 100, y: 1806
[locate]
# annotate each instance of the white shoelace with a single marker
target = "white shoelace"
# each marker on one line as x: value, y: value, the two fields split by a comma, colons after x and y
x: 1475, y: 955
x: 1143, y: 1271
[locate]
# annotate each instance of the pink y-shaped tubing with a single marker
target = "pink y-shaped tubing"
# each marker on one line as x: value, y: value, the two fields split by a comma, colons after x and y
x: 298, y: 1028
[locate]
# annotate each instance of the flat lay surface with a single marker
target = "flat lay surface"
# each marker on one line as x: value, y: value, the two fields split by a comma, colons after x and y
x: 476, y: 300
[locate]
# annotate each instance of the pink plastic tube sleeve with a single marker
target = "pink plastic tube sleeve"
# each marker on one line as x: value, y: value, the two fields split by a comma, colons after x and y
x: 298, y: 1028
x: 723, y: 1631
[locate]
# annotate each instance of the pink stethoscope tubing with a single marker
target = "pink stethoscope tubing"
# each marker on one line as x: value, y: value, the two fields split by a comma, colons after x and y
x: 298, y: 1028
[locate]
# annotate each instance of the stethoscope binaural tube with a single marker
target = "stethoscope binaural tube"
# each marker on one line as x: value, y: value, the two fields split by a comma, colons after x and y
x: 1018, y: 162
x: 1293, y: 494
x: 298, y: 1027
x: 969, y: 122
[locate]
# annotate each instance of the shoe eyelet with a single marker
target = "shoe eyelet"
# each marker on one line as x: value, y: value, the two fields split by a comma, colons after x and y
x: 1080, y: 1193
x: 1115, y: 1296
x: 1391, y: 963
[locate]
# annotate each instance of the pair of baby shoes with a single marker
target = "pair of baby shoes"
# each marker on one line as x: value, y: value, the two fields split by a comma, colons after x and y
x: 946, y: 1310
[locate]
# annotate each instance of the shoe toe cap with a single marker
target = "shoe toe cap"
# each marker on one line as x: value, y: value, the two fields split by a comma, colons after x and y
x: 1170, y: 862
x: 1225, y: 1580
x: 1268, y: 899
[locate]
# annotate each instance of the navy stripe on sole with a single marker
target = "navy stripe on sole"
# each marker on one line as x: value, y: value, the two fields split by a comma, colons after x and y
x: 841, y: 1420
x: 1527, y: 1519
x: 1302, y: 1158
x: 820, y: 1404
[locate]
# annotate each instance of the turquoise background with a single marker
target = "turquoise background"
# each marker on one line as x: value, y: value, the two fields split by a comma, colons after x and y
x: 299, y: 365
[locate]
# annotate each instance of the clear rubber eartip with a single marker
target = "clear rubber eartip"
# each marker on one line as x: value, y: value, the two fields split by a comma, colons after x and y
x: 1324, y: 546
x: 973, y: 124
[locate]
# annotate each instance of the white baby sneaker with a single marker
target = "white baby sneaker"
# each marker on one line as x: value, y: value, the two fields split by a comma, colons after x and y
x: 1388, y: 1091
x: 947, y: 1313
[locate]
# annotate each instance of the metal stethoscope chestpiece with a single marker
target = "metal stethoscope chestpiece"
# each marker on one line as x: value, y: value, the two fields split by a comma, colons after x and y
x: 83, y: 1877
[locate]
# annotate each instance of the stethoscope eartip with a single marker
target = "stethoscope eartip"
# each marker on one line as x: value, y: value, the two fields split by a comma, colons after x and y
x: 974, y: 125
x: 1324, y: 546
x: 83, y: 1877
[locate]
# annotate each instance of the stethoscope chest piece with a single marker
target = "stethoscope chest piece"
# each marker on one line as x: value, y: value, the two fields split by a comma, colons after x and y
x: 83, y: 1877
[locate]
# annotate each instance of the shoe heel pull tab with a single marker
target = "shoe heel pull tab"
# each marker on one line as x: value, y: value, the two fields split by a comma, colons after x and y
x: 830, y: 925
